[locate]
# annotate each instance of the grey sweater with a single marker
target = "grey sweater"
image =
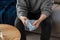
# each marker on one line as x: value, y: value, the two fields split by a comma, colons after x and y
x: 44, y: 5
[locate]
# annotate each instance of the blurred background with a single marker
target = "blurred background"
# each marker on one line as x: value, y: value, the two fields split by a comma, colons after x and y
x: 8, y: 15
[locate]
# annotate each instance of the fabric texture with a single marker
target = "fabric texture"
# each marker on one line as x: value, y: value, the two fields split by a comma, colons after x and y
x: 44, y: 5
x: 7, y: 11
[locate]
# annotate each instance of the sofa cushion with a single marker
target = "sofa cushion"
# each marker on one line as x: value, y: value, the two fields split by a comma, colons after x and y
x: 56, y: 12
x: 56, y: 20
x: 57, y: 1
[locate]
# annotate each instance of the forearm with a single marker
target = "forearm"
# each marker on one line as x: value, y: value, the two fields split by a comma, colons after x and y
x: 42, y: 17
x: 21, y: 8
x: 46, y: 9
x: 19, y: 15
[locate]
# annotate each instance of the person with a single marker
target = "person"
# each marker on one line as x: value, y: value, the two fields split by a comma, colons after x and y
x: 7, y: 11
x: 39, y: 10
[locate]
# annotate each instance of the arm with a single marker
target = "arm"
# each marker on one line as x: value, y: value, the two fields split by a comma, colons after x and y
x: 21, y: 8
x: 46, y: 9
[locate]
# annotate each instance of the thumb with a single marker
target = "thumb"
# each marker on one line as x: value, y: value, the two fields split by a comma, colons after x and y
x: 35, y: 22
x: 25, y: 19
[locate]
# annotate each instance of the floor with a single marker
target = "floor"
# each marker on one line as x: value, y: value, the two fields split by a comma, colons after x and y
x: 32, y: 36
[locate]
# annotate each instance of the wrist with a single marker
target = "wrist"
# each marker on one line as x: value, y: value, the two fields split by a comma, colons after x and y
x: 39, y: 20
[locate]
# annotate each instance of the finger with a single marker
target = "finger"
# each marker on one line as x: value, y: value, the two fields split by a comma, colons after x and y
x: 26, y: 18
x: 35, y: 23
x: 24, y: 23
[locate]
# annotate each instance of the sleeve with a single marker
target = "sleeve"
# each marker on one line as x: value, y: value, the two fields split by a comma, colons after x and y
x: 21, y: 8
x: 46, y: 7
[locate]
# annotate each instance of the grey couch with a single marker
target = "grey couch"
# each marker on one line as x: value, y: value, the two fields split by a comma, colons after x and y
x: 56, y: 20
x: 57, y: 1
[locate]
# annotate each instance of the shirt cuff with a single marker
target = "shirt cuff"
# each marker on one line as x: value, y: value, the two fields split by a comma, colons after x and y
x: 46, y: 13
x: 22, y: 14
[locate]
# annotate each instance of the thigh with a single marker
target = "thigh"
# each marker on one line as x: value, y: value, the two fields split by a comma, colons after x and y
x: 46, y: 29
x: 19, y: 25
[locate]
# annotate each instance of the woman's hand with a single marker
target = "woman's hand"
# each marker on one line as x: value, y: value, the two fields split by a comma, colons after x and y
x: 23, y: 19
x: 36, y: 23
x: 41, y: 18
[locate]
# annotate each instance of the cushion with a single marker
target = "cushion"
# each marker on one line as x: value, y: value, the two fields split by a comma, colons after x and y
x: 57, y: 1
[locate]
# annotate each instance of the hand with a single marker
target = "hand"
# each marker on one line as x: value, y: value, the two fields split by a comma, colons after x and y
x: 36, y: 23
x: 23, y: 19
